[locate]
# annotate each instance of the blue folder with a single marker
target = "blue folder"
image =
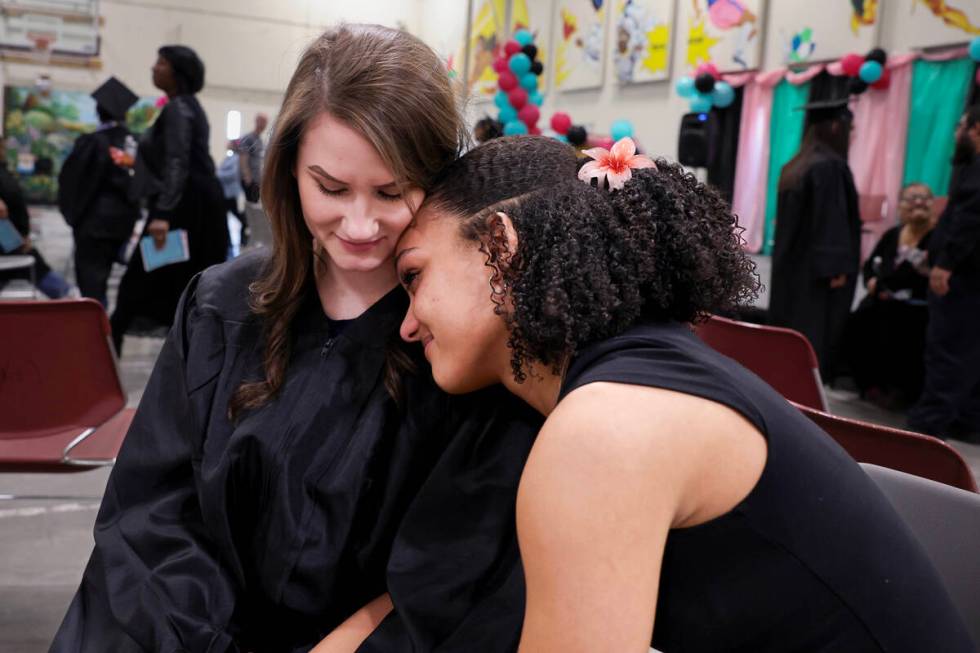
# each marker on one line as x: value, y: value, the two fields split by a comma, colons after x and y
x: 174, y: 250
x: 10, y: 238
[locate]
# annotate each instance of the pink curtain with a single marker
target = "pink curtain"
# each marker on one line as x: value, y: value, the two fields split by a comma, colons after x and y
x: 752, y: 161
x: 877, y: 152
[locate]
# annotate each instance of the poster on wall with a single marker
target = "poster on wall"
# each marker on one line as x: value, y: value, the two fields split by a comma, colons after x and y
x: 935, y: 22
x: 727, y: 33
x: 487, y: 32
x: 642, y: 40
x: 447, y: 34
x: 818, y: 31
x: 40, y: 128
x: 580, y: 44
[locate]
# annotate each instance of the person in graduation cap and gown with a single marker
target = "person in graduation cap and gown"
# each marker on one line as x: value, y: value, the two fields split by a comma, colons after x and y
x: 94, y: 194
x: 175, y: 178
x: 817, y: 247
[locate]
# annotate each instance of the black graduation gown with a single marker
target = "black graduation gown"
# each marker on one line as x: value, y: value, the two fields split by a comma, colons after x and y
x: 885, y: 337
x: 264, y: 535
x: 175, y: 177
x: 818, y: 237
x: 94, y: 198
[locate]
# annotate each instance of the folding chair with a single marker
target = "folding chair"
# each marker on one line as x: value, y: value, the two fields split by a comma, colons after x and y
x: 912, y: 453
x: 783, y: 358
x: 62, y: 407
x: 946, y: 521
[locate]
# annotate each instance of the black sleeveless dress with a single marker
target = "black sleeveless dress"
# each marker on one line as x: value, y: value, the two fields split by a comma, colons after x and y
x: 813, y: 560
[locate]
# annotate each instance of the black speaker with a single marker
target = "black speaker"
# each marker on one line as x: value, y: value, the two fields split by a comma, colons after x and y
x: 694, y: 144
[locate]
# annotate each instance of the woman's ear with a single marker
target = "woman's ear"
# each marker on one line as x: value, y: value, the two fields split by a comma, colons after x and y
x: 503, y: 227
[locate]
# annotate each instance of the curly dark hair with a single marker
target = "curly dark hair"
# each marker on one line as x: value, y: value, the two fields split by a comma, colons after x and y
x: 590, y: 263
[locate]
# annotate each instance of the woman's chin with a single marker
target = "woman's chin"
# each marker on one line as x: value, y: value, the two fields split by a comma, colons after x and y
x: 455, y: 383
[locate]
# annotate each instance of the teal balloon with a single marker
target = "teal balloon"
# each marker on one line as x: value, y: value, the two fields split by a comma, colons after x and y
x: 870, y: 72
x: 723, y: 95
x: 520, y: 64
x: 501, y: 100
x: 685, y: 87
x: 701, y: 103
x: 507, y: 114
x: 535, y: 98
x: 621, y: 129
x: 529, y: 82
x: 975, y: 49
x: 561, y: 137
x: 524, y: 37
x: 514, y: 127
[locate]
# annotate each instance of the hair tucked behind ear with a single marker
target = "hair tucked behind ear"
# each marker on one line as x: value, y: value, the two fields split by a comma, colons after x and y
x: 591, y: 263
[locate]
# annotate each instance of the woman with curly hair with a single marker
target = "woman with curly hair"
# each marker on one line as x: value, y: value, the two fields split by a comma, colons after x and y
x: 671, y: 496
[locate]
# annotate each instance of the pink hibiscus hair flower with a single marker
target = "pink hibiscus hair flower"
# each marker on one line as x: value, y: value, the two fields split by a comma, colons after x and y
x: 614, y: 166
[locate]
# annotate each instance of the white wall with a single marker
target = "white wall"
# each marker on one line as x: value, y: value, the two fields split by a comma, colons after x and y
x: 249, y: 47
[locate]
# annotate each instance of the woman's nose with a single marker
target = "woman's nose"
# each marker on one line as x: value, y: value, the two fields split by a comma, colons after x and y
x: 409, y: 330
x: 360, y: 224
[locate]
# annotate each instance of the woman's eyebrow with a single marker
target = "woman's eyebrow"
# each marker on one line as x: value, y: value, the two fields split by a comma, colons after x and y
x: 317, y: 170
x: 403, y: 253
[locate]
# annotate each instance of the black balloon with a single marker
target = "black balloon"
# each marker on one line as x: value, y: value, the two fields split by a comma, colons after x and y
x: 855, y: 85
x: 530, y: 50
x: 878, y: 55
x: 537, y: 68
x: 576, y: 135
x: 705, y: 83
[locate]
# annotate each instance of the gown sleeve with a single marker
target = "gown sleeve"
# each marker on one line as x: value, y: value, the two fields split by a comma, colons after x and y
x: 154, y: 581
x: 454, y: 574
x: 177, y: 130
x: 80, y: 177
x: 830, y: 222
x: 964, y: 224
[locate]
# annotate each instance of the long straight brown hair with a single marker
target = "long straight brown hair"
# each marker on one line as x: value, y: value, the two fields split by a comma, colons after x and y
x: 393, y: 90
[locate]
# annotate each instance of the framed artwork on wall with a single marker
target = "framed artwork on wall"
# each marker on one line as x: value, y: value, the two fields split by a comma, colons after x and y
x: 642, y: 40
x: 579, y: 39
x: 819, y: 31
x: 933, y: 23
x: 487, y: 32
x: 727, y: 33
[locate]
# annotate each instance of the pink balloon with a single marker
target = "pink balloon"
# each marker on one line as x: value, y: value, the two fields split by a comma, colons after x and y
x: 529, y: 115
x: 851, y: 64
x: 499, y: 64
x: 507, y: 81
x: 518, y: 98
x: 561, y: 122
x: 512, y: 47
x: 709, y: 68
x: 606, y: 142
x: 535, y: 131
x: 978, y: 76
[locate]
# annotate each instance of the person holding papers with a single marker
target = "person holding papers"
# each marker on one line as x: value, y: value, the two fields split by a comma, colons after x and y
x: 186, y: 230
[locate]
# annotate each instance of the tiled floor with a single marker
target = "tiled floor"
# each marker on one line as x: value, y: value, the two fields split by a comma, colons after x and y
x: 44, y: 544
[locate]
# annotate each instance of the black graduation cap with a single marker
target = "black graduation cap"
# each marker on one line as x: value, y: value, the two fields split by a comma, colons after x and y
x: 115, y: 98
x: 827, y: 110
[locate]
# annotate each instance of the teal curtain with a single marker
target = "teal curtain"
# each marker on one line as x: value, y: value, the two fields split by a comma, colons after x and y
x: 938, y: 98
x: 785, y: 135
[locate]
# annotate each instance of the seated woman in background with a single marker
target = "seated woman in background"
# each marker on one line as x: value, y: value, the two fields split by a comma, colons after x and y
x: 671, y: 495
x: 885, y: 337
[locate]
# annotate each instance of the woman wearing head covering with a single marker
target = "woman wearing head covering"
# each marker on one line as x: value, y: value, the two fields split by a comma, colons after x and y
x: 175, y: 178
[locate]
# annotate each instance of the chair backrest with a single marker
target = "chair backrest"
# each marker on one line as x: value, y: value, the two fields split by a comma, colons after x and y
x: 783, y: 358
x: 57, y: 369
x: 946, y: 521
x: 912, y: 453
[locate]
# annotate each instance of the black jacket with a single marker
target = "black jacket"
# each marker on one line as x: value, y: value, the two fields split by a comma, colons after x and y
x: 93, y: 193
x: 265, y: 534
x: 955, y: 243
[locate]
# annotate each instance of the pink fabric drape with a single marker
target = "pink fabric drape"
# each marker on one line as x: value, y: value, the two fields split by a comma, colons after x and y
x: 752, y: 161
x: 877, y: 152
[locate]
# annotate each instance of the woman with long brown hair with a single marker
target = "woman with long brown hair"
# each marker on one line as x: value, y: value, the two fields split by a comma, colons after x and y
x: 291, y: 460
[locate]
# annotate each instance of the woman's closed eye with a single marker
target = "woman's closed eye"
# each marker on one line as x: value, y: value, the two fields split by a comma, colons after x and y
x: 408, y: 278
x: 337, y: 192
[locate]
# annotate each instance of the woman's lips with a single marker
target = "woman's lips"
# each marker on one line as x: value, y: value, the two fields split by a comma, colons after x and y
x: 359, y: 246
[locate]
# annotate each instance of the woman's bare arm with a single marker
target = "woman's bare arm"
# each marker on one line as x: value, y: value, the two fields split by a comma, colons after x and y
x: 351, y: 634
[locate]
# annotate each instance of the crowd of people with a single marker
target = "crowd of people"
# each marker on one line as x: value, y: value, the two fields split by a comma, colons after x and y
x: 912, y: 341
x: 449, y: 408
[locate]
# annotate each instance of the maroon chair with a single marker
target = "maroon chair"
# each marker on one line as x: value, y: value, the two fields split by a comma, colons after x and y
x: 912, y: 453
x: 62, y: 407
x: 783, y: 358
